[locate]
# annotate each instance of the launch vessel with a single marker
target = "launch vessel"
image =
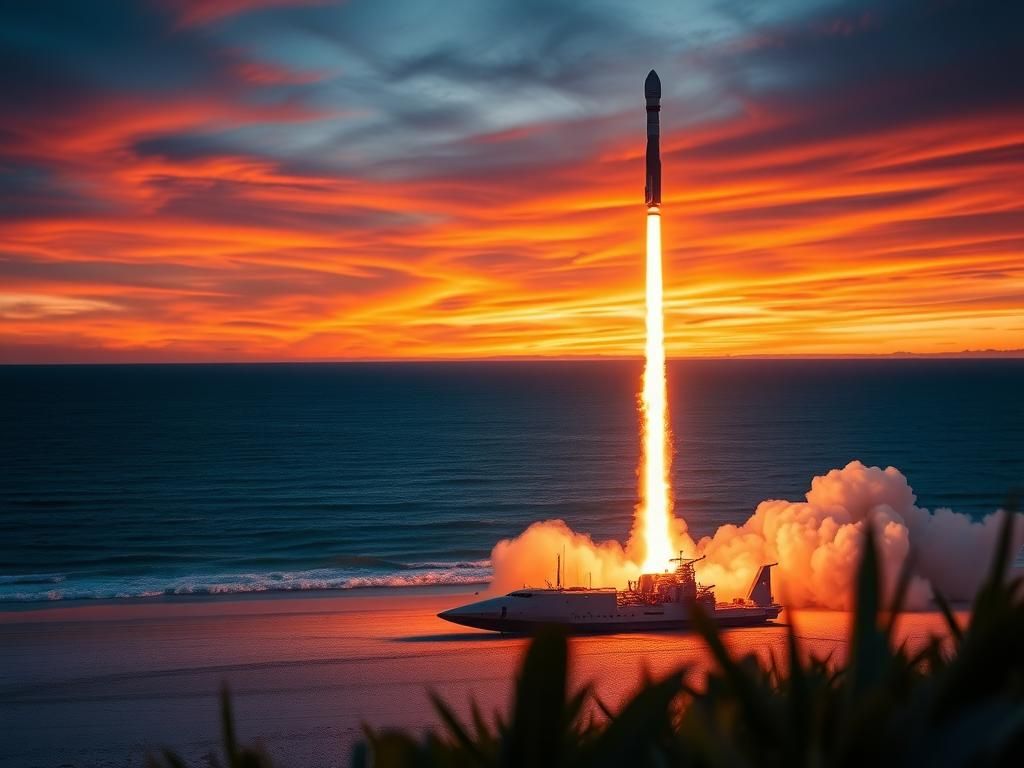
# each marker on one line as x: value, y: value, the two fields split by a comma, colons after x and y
x: 656, y: 601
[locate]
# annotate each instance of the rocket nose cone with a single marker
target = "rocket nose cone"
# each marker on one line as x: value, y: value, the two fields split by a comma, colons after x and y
x: 652, y: 85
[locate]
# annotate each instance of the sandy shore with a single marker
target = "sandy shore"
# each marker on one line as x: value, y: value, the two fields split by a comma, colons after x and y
x: 104, y: 684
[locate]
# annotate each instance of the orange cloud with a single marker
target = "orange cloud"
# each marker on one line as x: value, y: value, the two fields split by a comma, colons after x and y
x: 905, y: 239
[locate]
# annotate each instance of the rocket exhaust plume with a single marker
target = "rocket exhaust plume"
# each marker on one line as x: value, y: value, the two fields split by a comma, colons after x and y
x: 654, y: 514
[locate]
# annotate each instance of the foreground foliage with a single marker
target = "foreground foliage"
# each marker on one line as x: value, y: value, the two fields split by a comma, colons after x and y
x: 958, y: 701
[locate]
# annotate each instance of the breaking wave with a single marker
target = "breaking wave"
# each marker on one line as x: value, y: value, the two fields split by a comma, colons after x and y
x: 20, y: 588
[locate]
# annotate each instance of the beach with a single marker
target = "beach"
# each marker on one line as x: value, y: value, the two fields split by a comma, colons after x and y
x: 92, y: 683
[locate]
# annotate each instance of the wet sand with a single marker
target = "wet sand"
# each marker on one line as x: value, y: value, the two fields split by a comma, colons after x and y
x: 105, y: 684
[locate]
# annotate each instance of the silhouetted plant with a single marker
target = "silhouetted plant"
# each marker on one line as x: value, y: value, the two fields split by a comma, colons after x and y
x: 235, y: 755
x: 958, y: 701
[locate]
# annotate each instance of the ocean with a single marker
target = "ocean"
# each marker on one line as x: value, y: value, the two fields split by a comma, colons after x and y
x: 139, y: 481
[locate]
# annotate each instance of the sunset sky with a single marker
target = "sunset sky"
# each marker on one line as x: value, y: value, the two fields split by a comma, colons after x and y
x: 289, y: 180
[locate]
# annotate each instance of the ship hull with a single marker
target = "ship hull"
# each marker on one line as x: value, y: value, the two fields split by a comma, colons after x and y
x: 527, y: 627
x: 656, y: 603
x: 594, y: 612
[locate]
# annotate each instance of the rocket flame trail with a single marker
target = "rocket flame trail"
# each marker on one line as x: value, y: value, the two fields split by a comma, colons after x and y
x: 655, y: 507
x: 654, y: 515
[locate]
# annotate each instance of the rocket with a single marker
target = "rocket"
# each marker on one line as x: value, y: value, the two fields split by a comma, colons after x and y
x: 652, y: 189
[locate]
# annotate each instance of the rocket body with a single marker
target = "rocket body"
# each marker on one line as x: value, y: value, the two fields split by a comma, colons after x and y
x: 652, y: 188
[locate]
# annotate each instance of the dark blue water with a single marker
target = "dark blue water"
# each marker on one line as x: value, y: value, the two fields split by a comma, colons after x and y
x: 141, y: 480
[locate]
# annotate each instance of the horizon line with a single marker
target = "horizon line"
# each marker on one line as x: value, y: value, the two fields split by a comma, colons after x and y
x: 985, y: 354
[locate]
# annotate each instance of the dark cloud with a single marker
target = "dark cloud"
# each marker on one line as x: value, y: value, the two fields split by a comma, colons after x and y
x: 186, y: 147
x: 226, y: 202
x: 62, y: 46
x: 862, y: 67
x: 968, y: 49
x: 30, y: 191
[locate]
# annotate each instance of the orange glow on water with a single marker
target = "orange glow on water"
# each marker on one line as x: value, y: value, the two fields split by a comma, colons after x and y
x: 656, y: 502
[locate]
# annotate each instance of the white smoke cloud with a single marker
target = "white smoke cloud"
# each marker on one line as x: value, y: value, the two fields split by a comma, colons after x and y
x: 529, y: 559
x: 816, y: 543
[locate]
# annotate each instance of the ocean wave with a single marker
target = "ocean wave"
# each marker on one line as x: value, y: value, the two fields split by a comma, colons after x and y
x: 465, y: 564
x: 13, y: 588
x: 32, y: 578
